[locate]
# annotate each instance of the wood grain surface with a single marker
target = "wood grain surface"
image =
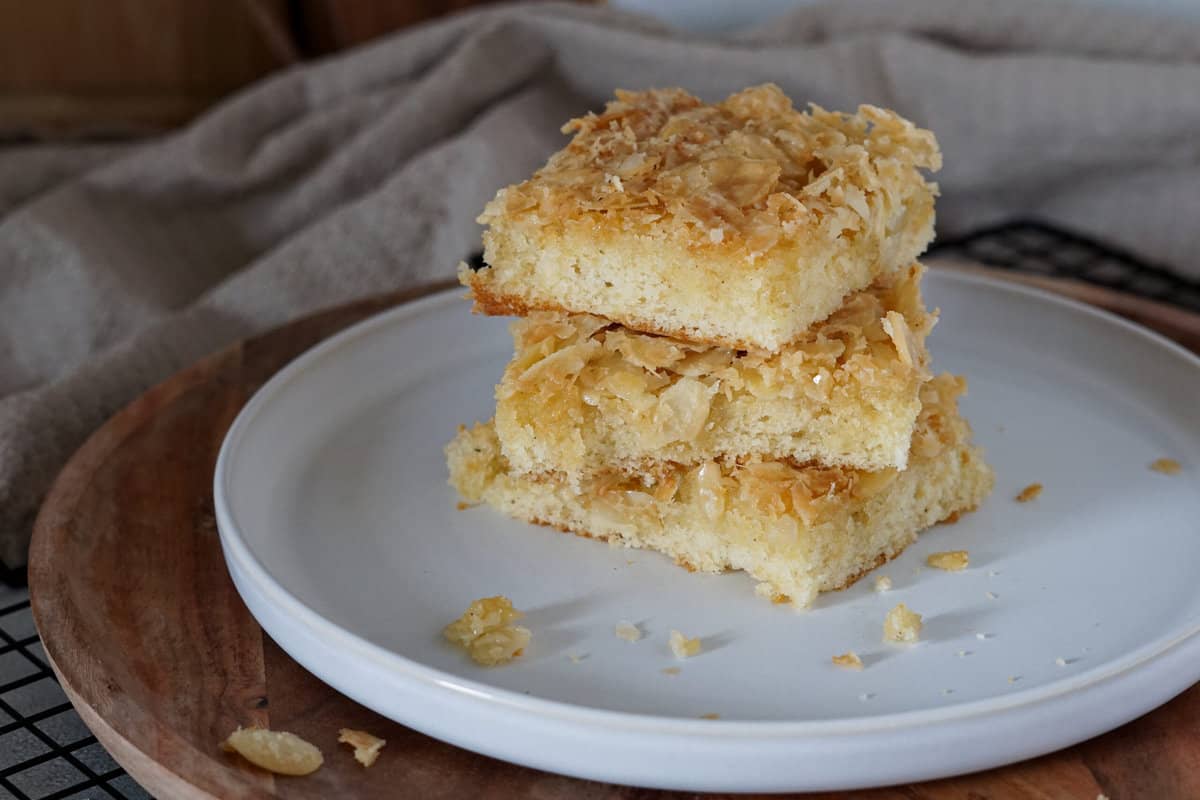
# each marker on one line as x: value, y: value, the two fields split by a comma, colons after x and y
x: 162, y: 660
x: 72, y: 68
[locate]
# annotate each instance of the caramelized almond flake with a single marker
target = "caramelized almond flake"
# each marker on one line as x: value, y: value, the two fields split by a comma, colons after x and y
x: 486, y: 632
x: 628, y: 631
x: 746, y: 172
x: 949, y: 560
x: 499, y: 646
x: 896, y: 328
x: 276, y: 751
x: 1167, y: 466
x: 849, y: 660
x: 682, y: 646
x: 483, y: 615
x: 366, y: 747
x: 1030, y: 492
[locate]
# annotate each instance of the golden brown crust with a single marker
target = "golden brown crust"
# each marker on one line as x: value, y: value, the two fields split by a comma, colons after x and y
x: 496, y: 305
x: 565, y: 529
x: 680, y: 561
x: 955, y: 516
x: 736, y: 176
x: 882, y: 559
x: 778, y: 599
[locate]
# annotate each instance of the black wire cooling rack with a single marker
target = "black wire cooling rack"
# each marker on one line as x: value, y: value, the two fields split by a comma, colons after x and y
x: 1035, y: 247
x: 46, y: 752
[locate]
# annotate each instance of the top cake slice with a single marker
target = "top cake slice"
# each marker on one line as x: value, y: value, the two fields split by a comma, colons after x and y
x: 738, y: 224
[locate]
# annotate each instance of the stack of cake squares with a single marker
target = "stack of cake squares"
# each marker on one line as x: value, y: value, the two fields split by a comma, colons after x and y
x: 721, y: 354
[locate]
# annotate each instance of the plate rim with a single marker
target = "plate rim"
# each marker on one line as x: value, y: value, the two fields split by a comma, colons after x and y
x: 1179, y: 644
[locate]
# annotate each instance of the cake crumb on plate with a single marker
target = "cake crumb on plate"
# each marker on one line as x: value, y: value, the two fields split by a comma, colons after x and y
x: 902, y: 625
x: 366, y: 747
x: 486, y: 632
x: 949, y: 560
x: 628, y: 631
x: 1030, y: 492
x: 849, y: 660
x: 682, y: 646
x: 1167, y: 466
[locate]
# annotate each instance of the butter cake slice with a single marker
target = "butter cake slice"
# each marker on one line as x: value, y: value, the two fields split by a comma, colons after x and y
x: 737, y: 224
x: 797, y: 529
x: 583, y: 394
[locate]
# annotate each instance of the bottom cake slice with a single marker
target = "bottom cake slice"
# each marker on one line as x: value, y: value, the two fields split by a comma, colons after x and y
x: 799, y: 529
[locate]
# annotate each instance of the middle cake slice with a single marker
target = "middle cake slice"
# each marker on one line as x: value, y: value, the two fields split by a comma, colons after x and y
x: 583, y: 394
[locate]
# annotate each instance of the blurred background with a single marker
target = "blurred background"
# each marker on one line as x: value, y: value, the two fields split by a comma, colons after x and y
x: 84, y: 69
x: 76, y: 68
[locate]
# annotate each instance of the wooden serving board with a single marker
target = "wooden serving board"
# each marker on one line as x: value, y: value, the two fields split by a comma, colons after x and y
x: 155, y: 649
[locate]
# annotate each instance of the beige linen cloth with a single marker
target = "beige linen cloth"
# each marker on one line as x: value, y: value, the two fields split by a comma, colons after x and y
x: 120, y: 265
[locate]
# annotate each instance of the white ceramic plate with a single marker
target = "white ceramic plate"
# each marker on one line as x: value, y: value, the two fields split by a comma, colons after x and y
x: 1079, y: 611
